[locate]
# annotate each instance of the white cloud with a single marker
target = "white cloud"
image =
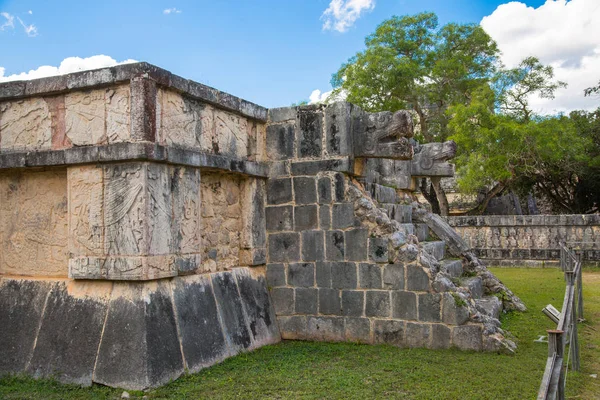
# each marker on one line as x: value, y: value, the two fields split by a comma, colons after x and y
x: 9, y: 23
x: 173, y: 10
x: 29, y: 12
x: 68, y: 65
x: 321, y: 97
x: 342, y: 14
x: 30, y: 30
x: 560, y: 33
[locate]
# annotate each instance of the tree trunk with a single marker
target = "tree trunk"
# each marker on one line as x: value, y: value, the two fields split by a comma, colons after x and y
x: 430, y: 196
x: 440, y: 195
x: 480, y: 208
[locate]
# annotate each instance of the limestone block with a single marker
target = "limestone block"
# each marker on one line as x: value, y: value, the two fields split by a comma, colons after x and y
x: 33, y: 223
x: 25, y: 124
x: 118, y: 114
x: 85, y: 117
x: 183, y: 121
x: 186, y: 224
x: 230, y: 136
x: 86, y: 216
x: 127, y: 268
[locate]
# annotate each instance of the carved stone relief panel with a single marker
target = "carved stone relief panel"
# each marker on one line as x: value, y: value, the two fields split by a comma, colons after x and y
x: 85, y: 117
x: 118, y: 114
x: 160, y: 214
x: 230, y: 136
x: 25, y: 124
x: 33, y: 223
x: 182, y: 121
x: 187, y: 224
x: 86, y: 216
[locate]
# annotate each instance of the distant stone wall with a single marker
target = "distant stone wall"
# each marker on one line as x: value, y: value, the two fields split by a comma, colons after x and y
x: 511, y: 239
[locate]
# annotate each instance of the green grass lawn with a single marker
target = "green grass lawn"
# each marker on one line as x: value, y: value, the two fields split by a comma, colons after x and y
x: 349, y: 371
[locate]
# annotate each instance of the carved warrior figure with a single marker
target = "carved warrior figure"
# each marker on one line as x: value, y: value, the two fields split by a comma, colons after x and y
x: 383, y: 135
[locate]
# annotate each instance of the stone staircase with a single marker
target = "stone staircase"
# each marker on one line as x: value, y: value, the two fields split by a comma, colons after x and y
x: 489, y: 305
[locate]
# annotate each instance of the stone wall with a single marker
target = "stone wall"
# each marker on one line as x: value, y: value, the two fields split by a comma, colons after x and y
x: 529, y: 239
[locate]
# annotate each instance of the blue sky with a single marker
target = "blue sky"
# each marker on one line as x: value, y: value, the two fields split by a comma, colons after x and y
x: 271, y: 52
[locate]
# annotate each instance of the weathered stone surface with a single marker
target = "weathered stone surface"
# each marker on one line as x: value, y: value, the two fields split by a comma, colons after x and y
x: 283, y: 300
x: 418, y: 335
x: 34, y: 223
x: 356, y: 241
x: 258, y: 307
x: 185, y: 122
x: 377, y: 303
x: 436, y: 249
x: 85, y: 117
x: 25, y: 124
x: 430, y: 307
x: 343, y: 275
x: 393, y: 276
x: 334, y: 245
x: 313, y: 245
x: 306, y: 217
x: 282, y: 114
x: 275, y: 275
x: 431, y: 159
x: 69, y: 332
x: 202, y: 339
x: 338, y: 128
x: 452, y: 267
x: 343, y: 215
x: 467, y: 337
x: 325, y: 217
x: 416, y: 278
x: 440, y: 336
x: 306, y: 300
x: 22, y: 304
x: 475, y: 285
x: 369, y: 276
x: 252, y: 203
x: 231, y: 311
x: 293, y: 327
x: 187, y: 211
x: 378, y: 249
x: 280, y: 141
x: 144, y: 335
x: 389, y: 332
x: 358, y: 330
x: 353, y: 303
x: 329, y: 329
x: 310, y: 127
x: 279, y: 191
x: 339, y: 187
x: 305, y: 191
x: 279, y: 218
x: 323, y: 274
x: 489, y: 305
x: 284, y: 247
x: 404, y: 305
x: 383, y: 135
x: 453, y: 313
x: 302, y: 275
x: 329, y: 301
x: 324, y: 190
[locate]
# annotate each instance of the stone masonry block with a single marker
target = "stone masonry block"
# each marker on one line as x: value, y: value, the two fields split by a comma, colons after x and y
x: 293, y: 327
x: 404, y: 305
x: 325, y: 217
x: 389, y: 332
x: 305, y: 190
x: 343, y: 215
x: 313, y: 245
x: 279, y: 218
x: 440, y: 336
x: 343, y: 275
x: 356, y: 241
x: 275, y: 275
x: 393, y: 276
x: 323, y: 274
x: 452, y: 313
x: 467, y: 337
x: 301, y: 275
x: 358, y: 330
x: 279, y: 191
x: 310, y: 132
x: 334, y: 245
x: 324, y: 190
x: 340, y: 187
x: 377, y: 303
x: 306, y: 301
x: 280, y: 141
x: 430, y: 307
x: 418, y: 335
x: 378, y: 249
x: 329, y: 302
x: 306, y: 217
x: 369, y: 276
x: 283, y: 300
x: 416, y: 278
x: 329, y: 329
x: 353, y: 303
x: 284, y: 247
x: 338, y: 129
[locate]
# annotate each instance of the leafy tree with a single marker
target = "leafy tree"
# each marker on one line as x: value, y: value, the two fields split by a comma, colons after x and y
x: 412, y: 63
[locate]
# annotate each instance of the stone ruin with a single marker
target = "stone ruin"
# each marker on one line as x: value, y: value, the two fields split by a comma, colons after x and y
x: 150, y: 225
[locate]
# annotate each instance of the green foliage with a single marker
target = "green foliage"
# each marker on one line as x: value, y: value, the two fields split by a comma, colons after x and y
x: 300, y: 103
x: 458, y: 301
x: 412, y: 63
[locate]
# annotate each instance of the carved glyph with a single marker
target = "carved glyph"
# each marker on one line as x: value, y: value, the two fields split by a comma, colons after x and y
x: 25, y: 124
x: 33, y: 223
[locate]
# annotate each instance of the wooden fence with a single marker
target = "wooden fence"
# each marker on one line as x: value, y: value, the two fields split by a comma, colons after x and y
x: 557, y: 365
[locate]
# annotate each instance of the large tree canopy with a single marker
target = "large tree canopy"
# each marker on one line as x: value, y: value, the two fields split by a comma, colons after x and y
x: 412, y: 63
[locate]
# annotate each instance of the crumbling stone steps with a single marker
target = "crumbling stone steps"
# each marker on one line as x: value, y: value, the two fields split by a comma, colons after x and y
x: 475, y: 285
x: 452, y: 267
x: 490, y: 305
x: 398, y: 212
x: 437, y: 249
x: 422, y: 232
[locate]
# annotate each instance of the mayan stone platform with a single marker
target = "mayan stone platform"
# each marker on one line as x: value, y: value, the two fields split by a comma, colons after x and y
x: 151, y: 225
